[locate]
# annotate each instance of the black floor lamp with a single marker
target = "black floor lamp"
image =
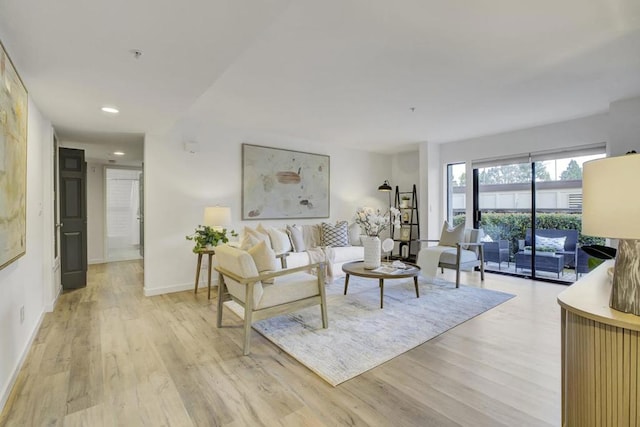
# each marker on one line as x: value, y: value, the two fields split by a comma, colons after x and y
x: 386, y: 188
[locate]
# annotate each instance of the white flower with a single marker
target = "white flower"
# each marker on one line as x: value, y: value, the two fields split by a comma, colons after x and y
x: 374, y: 221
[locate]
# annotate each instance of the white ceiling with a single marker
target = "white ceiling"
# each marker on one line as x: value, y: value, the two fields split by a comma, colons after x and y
x: 345, y: 72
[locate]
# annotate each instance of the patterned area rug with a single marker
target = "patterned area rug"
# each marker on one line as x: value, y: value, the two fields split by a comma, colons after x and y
x: 362, y: 336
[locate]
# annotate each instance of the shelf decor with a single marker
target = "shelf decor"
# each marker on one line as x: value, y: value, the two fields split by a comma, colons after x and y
x: 408, y: 233
x: 373, y: 222
x: 283, y: 184
x: 13, y: 162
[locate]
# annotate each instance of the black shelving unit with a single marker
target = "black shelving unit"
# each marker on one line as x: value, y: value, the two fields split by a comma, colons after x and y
x: 406, y: 236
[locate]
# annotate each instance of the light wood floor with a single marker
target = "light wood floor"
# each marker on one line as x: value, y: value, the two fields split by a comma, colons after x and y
x: 109, y: 356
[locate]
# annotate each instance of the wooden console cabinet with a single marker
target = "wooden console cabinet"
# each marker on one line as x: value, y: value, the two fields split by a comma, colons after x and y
x: 600, y: 356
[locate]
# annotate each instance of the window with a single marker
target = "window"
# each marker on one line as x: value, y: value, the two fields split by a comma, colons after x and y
x: 456, y: 193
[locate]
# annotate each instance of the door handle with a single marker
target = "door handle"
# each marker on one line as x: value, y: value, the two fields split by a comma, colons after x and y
x: 59, y: 225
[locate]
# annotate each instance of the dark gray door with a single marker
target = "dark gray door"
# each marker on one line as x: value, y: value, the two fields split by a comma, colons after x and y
x: 73, y: 216
x: 141, y: 211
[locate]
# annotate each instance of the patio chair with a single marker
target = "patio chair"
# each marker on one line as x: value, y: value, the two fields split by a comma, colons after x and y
x: 498, y: 252
x: 266, y: 294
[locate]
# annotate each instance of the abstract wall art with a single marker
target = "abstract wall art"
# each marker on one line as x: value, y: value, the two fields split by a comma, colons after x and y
x: 13, y: 162
x: 282, y: 184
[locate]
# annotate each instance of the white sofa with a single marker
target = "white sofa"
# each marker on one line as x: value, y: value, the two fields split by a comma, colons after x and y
x: 312, y: 248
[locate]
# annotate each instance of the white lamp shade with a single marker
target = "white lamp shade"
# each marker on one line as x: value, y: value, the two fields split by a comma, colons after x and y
x: 610, y: 197
x: 217, y: 216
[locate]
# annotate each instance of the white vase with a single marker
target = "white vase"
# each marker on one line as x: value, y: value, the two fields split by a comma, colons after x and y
x: 372, y: 252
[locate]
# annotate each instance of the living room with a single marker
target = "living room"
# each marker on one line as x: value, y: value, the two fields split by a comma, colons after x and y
x: 578, y: 91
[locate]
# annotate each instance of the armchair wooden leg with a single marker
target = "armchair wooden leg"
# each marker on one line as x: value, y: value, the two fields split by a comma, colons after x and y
x: 323, y: 297
x: 221, y: 294
x: 246, y: 348
x: 481, y: 263
x: 458, y: 259
x: 248, y: 319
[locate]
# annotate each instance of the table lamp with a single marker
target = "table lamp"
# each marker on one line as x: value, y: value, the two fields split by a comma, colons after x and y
x: 217, y: 217
x: 611, y: 209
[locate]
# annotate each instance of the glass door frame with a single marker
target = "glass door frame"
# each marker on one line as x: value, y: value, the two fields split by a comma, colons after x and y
x: 593, y: 151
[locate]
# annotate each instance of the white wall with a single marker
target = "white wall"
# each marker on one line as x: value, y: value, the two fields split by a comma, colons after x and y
x: 178, y: 185
x: 619, y: 128
x: 624, y: 126
x: 405, y: 171
x: 28, y: 282
x: 95, y: 213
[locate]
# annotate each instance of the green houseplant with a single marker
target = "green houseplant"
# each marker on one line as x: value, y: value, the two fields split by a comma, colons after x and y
x: 205, y: 236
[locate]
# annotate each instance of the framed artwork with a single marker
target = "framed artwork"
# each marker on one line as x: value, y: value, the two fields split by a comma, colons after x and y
x: 282, y: 184
x: 13, y: 162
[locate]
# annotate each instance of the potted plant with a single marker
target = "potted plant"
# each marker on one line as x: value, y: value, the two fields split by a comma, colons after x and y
x: 404, y: 201
x: 206, y: 237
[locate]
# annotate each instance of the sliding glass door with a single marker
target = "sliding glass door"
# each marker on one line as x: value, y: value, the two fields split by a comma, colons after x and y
x: 503, y: 206
x: 530, y: 209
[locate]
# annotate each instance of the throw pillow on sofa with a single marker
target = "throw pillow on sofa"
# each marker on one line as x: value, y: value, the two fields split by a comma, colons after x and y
x: 297, y: 239
x: 259, y: 233
x: 355, y: 233
x: 280, y: 242
x: 335, y: 235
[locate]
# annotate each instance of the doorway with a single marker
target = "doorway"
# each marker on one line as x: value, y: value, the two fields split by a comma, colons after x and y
x: 531, y: 211
x: 123, y: 214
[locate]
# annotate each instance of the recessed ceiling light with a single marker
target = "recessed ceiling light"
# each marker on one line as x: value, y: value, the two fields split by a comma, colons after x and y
x: 110, y: 110
x: 118, y: 153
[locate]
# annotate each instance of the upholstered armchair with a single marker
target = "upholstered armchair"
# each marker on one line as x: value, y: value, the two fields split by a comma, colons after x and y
x: 458, y: 249
x: 251, y: 279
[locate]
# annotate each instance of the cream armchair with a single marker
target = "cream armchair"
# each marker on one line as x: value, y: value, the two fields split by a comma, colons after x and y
x: 458, y: 249
x: 267, y: 294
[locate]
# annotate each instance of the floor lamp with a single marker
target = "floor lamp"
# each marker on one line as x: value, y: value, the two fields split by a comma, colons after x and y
x: 385, y: 187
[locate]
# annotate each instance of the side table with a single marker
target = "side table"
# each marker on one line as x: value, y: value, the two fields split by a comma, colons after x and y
x: 210, y: 253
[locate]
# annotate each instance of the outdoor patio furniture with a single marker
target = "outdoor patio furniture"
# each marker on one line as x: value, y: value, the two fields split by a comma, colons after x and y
x: 545, y: 261
x: 497, y: 252
x: 570, y: 244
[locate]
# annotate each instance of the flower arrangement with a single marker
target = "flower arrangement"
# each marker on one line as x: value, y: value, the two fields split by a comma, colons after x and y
x: 374, y: 221
x: 208, y: 236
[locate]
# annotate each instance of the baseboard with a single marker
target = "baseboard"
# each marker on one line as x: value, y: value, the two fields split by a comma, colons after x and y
x: 52, y: 305
x: 149, y: 292
x: 6, y: 391
x: 96, y: 261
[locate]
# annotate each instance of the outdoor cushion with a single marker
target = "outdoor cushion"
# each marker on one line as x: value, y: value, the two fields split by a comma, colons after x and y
x: 556, y: 243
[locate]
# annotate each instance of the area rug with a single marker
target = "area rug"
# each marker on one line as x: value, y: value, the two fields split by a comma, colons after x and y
x: 362, y: 336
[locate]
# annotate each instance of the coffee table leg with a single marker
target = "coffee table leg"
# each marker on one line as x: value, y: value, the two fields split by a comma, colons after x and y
x: 415, y: 281
x: 381, y: 292
x: 346, y: 284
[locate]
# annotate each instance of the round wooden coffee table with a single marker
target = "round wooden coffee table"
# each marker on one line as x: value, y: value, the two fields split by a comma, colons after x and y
x: 357, y: 269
